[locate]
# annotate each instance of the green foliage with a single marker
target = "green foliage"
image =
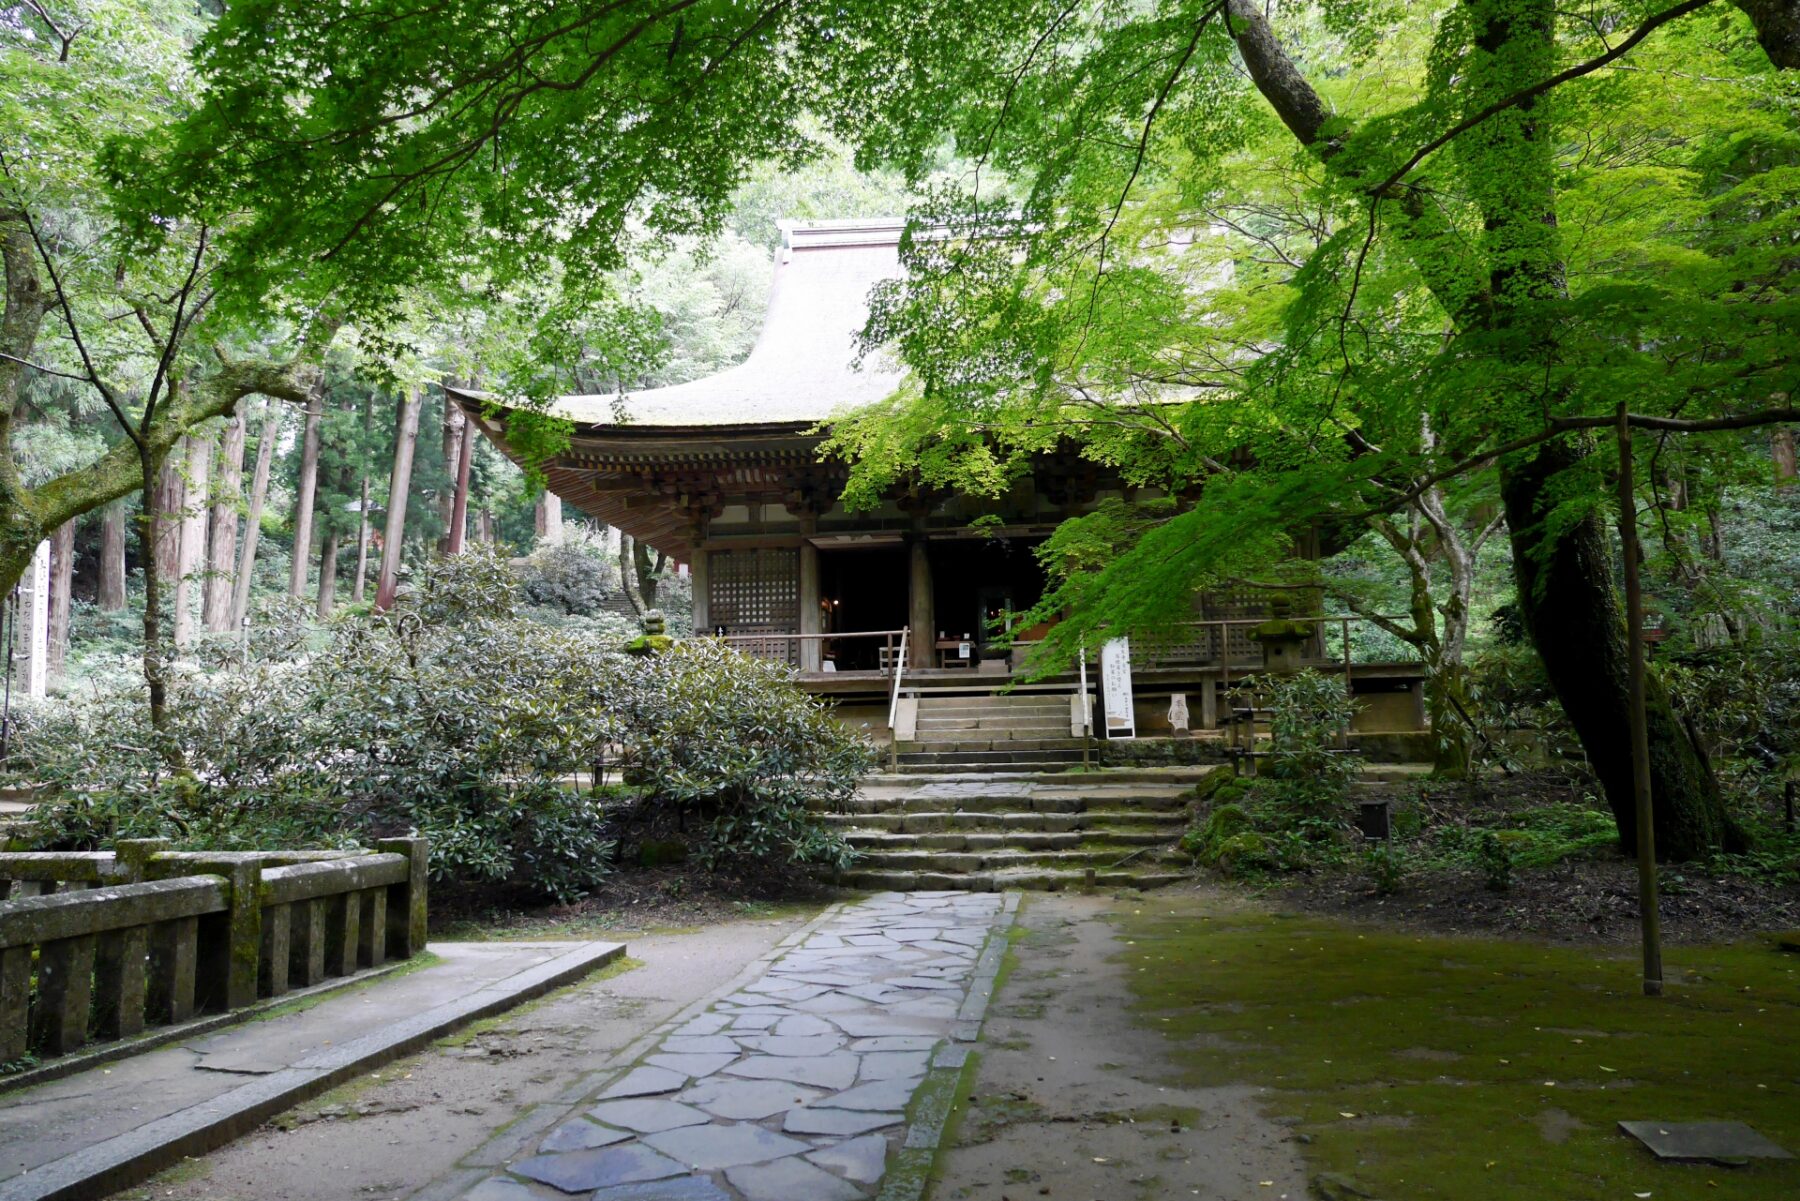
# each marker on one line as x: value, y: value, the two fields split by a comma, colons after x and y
x: 569, y: 579
x: 1310, y: 771
x: 1494, y: 856
x: 1386, y: 864
x: 455, y: 717
x: 728, y: 739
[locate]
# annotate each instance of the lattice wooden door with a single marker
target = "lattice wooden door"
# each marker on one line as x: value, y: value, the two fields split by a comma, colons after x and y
x: 757, y: 592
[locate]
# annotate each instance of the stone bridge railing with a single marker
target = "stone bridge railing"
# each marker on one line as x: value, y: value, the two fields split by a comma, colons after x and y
x: 100, y: 946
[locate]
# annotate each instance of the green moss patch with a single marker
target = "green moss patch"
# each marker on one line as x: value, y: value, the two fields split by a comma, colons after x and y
x: 1471, y: 1068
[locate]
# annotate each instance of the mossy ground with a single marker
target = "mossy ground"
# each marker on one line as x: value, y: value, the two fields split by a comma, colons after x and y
x: 1472, y: 1068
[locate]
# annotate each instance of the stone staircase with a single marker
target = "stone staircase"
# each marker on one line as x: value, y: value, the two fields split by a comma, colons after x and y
x: 991, y: 830
x: 1021, y: 732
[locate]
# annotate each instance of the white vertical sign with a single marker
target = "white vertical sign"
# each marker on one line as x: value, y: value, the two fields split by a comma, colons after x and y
x: 1115, y: 686
x: 32, y: 637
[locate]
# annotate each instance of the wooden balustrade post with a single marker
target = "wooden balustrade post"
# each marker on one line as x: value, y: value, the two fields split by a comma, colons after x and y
x: 306, y: 942
x: 272, y: 973
x: 65, y: 974
x: 15, y: 1002
x: 371, y: 943
x: 406, y: 902
x: 174, y: 949
x: 120, y: 982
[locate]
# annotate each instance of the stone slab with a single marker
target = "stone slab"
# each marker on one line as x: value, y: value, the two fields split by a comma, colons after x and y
x: 1716, y: 1141
x: 647, y: 1116
x: 839, y: 1122
x: 584, y: 1171
x: 708, y: 1148
x: 859, y: 1159
x: 824, y: 1071
x: 579, y: 1134
x: 748, y: 1100
x: 645, y: 1082
x: 790, y: 1180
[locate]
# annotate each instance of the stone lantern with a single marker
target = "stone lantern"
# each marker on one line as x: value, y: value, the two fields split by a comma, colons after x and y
x: 1282, y: 638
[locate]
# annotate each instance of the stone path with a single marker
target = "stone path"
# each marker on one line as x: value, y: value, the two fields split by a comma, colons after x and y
x: 797, y: 1086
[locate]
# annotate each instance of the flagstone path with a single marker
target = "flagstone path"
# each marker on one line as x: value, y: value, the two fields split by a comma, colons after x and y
x: 797, y: 1086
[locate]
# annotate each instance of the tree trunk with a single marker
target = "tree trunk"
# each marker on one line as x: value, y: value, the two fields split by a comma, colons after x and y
x: 459, y: 497
x: 169, y: 499
x: 646, y: 571
x: 112, y: 557
x: 328, y: 575
x: 156, y: 527
x: 222, y: 539
x: 259, y: 495
x: 192, y: 555
x: 1566, y: 591
x: 62, y: 578
x: 628, y: 574
x: 451, y: 432
x: 1787, y: 458
x: 362, y: 506
x: 306, y: 491
x: 399, y: 481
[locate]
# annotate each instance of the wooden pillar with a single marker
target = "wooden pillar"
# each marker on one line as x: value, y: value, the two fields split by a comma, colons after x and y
x: 702, y: 601
x: 920, y: 607
x: 811, y: 653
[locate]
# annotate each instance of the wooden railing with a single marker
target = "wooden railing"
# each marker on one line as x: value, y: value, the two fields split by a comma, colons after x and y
x: 99, y: 946
x: 785, y: 648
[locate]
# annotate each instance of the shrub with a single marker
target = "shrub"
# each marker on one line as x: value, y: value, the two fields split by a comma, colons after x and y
x: 727, y: 739
x: 1308, y: 715
x: 454, y: 717
x: 1494, y: 856
x: 570, y: 579
x: 1386, y: 864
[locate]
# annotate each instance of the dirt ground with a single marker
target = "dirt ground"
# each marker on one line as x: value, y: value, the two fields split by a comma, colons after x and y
x: 390, y: 1133
x: 1072, y: 1100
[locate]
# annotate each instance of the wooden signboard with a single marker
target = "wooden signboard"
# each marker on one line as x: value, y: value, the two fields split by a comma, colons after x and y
x: 1115, y: 687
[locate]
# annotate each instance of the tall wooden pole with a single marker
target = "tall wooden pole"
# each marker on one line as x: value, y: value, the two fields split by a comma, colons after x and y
x: 1648, y: 913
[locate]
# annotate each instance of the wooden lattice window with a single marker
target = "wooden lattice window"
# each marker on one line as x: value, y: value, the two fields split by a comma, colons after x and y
x: 757, y: 592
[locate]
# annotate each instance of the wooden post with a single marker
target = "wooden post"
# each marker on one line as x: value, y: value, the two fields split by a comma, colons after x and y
x: 811, y: 649
x: 1648, y: 912
x: 920, y: 615
x: 702, y: 600
x: 406, y: 902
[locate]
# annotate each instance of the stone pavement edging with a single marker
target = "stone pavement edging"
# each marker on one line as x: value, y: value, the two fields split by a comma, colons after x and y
x: 129, y: 1158
x: 826, y: 1072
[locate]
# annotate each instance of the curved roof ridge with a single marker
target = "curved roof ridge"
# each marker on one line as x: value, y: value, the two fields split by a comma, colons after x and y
x: 803, y: 366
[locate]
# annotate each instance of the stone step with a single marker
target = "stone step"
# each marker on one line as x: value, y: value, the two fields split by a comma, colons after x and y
x: 1004, y: 803
x: 1050, y: 722
x: 1170, y: 821
x: 947, y: 709
x: 1037, y: 879
x: 1064, y: 754
x: 1185, y: 776
x: 1026, y: 767
x: 978, y: 740
x: 1006, y: 859
x: 1124, y: 841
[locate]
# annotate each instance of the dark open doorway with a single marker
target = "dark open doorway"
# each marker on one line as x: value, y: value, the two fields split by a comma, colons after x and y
x: 978, y: 583
x: 862, y: 588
